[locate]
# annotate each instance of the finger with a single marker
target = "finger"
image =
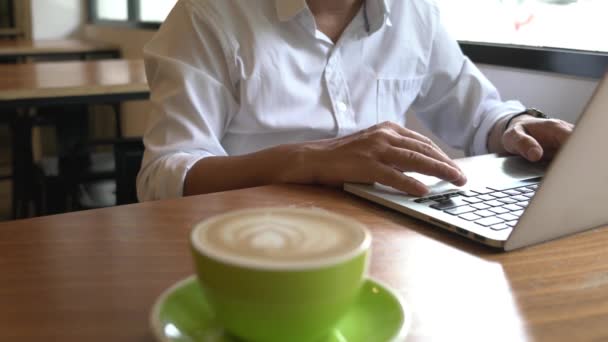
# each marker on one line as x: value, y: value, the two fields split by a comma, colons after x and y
x: 430, y: 142
x: 407, y: 133
x: 415, y: 135
x: 389, y: 176
x: 423, y: 148
x: 407, y: 160
x: 518, y: 141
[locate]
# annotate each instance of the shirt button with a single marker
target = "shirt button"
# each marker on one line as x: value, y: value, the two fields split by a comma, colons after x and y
x: 342, y: 107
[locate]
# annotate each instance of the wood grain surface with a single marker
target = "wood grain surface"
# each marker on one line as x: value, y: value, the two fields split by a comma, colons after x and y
x: 26, y: 47
x: 30, y: 81
x: 93, y: 275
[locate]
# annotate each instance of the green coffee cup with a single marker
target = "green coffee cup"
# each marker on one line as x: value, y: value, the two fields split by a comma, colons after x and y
x: 280, y: 274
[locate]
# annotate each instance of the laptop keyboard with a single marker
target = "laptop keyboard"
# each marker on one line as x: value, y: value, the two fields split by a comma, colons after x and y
x: 496, y: 207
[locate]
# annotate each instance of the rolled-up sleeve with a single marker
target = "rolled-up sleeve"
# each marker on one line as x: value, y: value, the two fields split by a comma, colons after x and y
x: 456, y: 101
x: 190, y: 71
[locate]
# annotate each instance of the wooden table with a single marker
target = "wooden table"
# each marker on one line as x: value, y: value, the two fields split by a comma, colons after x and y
x: 93, y: 275
x: 48, y: 83
x: 31, y: 85
x: 21, y: 49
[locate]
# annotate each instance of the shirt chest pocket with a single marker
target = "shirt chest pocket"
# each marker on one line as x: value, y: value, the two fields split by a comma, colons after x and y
x: 394, y: 98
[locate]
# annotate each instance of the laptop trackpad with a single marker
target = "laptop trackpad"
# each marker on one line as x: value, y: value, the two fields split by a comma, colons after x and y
x: 481, y: 171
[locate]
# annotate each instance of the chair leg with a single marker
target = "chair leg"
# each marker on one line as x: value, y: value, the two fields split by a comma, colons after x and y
x: 117, y: 119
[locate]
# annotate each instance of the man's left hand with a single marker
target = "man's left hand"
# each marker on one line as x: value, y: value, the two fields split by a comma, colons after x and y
x: 534, y: 138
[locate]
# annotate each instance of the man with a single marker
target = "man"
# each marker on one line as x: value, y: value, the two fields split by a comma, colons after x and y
x: 247, y: 93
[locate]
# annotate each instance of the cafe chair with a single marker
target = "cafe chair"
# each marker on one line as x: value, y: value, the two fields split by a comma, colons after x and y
x: 87, y: 179
x: 128, y: 153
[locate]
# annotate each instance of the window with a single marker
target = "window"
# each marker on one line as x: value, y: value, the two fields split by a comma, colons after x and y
x: 567, y: 24
x: 155, y: 10
x: 112, y: 9
x: 564, y: 36
x: 553, y: 35
x: 138, y: 13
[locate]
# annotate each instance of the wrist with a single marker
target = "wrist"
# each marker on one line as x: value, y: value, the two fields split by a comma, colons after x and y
x: 298, y: 164
x: 514, y: 120
x: 494, y: 143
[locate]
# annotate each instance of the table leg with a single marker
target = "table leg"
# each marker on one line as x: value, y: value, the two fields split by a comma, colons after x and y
x: 23, y: 164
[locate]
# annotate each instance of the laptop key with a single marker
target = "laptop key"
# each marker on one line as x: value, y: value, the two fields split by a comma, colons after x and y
x: 500, y: 226
x: 512, y: 207
x: 507, y: 200
x: 482, y: 191
x: 523, y: 204
x: 517, y: 213
x: 529, y: 194
x: 525, y: 190
x: 471, y: 199
x: 480, y: 206
x: 499, y: 210
x: 484, y: 213
x: 469, y: 217
x: 448, y: 203
x: 511, y: 223
x: 485, y: 197
x: 460, y: 210
x: 494, y: 203
x: 422, y: 200
x: 452, y: 194
x: 499, y: 195
x: 532, y: 187
x: 520, y: 198
x: 468, y: 193
x: 489, y: 221
x: 511, y: 192
x: 508, y: 217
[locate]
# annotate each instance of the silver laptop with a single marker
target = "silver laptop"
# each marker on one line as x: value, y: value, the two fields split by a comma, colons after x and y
x: 510, y: 203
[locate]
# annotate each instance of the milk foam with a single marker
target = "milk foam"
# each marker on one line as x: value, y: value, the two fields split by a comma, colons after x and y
x: 281, y: 236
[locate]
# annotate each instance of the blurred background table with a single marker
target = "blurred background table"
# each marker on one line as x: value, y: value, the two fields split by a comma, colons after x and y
x: 59, y: 84
x: 19, y: 50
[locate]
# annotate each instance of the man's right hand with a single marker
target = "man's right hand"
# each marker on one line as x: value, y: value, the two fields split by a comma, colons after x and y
x: 380, y: 154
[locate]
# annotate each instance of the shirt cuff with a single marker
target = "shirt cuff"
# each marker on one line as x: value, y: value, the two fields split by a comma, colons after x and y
x: 182, y: 163
x: 480, y: 141
x: 165, y: 177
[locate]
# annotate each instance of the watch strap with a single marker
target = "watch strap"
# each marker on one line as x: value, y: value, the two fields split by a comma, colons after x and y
x: 529, y: 111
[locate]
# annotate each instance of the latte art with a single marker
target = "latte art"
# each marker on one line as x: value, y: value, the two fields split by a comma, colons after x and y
x: 281, y: 236
x: 276, y: 236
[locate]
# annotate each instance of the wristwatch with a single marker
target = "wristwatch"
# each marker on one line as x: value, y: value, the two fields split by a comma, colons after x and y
x: 529, y: 111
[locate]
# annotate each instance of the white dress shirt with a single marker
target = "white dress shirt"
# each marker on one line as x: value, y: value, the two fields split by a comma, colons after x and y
x: 230, y: 77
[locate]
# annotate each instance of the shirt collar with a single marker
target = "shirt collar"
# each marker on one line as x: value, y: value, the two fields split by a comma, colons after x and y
x: 378, y: 11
